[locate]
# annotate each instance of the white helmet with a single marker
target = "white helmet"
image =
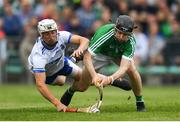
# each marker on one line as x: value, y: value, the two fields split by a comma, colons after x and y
x: 46, y: 25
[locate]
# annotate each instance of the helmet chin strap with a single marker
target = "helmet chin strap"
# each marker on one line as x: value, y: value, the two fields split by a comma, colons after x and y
x: 117, y: 30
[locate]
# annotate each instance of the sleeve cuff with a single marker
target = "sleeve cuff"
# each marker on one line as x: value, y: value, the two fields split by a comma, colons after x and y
x: 38, y: 70
x: 69, y: 38
x: 91, y: 52
x: 125, y: 57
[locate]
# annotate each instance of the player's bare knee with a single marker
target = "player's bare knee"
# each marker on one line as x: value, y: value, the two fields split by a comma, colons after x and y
x: 130, y: 70
x: 82, y: 88
x: 60, y: 80
x: 58, y: 83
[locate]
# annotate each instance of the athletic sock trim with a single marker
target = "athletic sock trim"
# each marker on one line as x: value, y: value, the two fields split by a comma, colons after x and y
x: 71, y: 91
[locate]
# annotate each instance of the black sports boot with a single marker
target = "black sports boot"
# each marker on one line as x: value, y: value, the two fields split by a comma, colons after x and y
x: 123, y: 84
x: 140, y: 106
x: 67, y: 96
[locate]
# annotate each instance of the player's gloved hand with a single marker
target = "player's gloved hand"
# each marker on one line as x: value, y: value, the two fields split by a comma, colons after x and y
x: 97, y: 80
x: 59, y: 106
x: 107, y: 80
x: 78, y: 54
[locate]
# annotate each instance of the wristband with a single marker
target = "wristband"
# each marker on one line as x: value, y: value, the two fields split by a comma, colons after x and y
x: 111, y: 79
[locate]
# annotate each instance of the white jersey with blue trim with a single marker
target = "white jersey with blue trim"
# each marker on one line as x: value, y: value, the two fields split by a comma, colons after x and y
x: 47, y: 60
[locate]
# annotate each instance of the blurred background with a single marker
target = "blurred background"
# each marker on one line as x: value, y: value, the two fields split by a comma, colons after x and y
x: 157, y: 53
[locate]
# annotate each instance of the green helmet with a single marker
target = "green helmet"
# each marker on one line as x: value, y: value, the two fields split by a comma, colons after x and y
x: 124, y: 24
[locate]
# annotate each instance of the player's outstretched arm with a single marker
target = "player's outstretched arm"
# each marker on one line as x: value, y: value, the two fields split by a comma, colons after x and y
x: 43, y: 89
x: 89, y: 65
x: 124, y: 65
x: 83, y: 45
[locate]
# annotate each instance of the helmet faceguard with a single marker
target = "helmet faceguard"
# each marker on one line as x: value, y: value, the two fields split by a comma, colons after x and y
x: 46, y: 25
x: 120, y: 30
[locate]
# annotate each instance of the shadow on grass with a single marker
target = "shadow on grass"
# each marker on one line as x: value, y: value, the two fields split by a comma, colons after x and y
x: 29, y: 109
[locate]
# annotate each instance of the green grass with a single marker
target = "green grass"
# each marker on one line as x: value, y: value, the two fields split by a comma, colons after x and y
x: 18, y: 102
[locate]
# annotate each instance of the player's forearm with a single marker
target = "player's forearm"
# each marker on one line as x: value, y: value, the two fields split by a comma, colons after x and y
x: 41, y: 86
x: 47, y: 94
x: 84, y: 42
x: 88, y: 63
x: 122, y: 70
x: 119, y: 73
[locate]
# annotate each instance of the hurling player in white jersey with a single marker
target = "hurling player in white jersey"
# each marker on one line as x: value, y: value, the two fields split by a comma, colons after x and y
x: 50, y: 66
x: 47, y: 60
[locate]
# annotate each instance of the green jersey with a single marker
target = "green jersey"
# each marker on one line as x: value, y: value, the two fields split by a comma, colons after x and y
x: 105, y: 43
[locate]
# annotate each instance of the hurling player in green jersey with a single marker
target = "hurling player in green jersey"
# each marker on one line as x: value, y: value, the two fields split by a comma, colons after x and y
x: 116, y: 43
x: 111, y: 43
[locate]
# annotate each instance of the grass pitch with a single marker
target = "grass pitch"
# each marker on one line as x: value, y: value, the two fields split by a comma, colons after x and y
x: 20, y: 102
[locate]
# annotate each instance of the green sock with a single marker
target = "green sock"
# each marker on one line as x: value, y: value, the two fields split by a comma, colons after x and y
x: 139, y: 99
